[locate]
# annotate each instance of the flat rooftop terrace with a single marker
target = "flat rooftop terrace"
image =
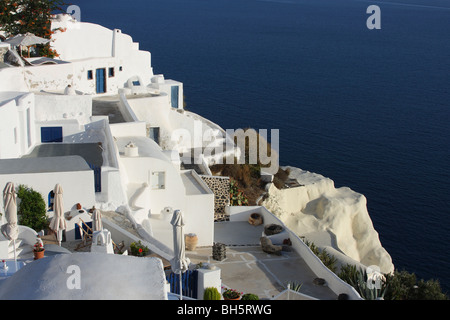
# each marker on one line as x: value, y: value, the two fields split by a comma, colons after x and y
x: 91, y: 152
x: 108, y: 106
x: 248, y: 269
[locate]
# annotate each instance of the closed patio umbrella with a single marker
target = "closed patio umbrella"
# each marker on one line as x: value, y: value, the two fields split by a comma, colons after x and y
x: 58, y: 222
x: 10, y: 230
x: 179, y: 263
x: 97, y: 224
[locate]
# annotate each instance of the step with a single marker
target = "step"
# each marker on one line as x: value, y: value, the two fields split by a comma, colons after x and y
x: 22, y: 252
x: 17, y: 242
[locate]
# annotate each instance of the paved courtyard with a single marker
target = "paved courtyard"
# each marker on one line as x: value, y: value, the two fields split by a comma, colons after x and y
x: 248, y: 269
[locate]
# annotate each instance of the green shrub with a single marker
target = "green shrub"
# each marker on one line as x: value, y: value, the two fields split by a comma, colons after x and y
x: 211, y: 293
x: 400, y: 285
x: 327, y: 259
x: 138, y: 249
x: 31, y: 210
x: 237, y: 196
x: 250, y: 296
x: 403, y: 285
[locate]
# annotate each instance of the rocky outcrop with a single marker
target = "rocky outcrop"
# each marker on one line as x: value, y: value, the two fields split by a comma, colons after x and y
x: 316, y: 206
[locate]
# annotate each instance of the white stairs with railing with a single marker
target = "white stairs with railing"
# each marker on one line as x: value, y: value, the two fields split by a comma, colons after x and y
x: 23, y: 244
x: 23, y: 249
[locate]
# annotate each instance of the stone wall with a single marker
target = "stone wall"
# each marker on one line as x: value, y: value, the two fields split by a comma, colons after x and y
x: 221, y: 188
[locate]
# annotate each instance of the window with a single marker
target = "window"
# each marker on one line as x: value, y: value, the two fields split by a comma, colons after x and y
x: 90, y: 75
x: 158, y: 180
x: 175, y: 92
x: 51, y: 134
x: 51, y: 198
x: 111, y: 72
x: 29, y: 127
x: 120, y: 68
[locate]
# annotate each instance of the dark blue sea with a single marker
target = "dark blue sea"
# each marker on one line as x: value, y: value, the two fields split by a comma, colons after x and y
x: 369, y: 109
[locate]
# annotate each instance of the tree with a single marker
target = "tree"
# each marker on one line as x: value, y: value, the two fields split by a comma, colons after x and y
x: 31, y: 210
x: 34, y: 16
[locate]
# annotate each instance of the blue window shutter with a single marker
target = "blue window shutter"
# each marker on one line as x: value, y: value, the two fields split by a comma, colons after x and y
x: 174, y: 96
x: 51, y: 134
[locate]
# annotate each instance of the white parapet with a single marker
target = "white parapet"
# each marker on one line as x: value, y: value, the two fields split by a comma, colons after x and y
x: 208, y: 278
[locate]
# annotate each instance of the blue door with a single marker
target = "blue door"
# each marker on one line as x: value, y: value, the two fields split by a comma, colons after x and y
x: 97, y: 177
x: 51, y: 134
x: 174, y: 96
x: 100, y: 78
x: 153, y: 134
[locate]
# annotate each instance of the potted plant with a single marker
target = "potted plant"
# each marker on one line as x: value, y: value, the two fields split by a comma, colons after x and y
x: 231, y: 294
x: 38, y: 249
x: 138, y: 249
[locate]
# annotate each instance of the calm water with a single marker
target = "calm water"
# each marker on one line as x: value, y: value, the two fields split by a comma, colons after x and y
x: 369, y: 109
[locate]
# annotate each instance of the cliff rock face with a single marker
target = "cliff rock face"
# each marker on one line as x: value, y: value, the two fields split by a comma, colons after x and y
x: 317, y: 207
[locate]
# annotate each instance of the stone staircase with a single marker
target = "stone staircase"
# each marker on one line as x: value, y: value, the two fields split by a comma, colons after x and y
x: 23, y: 244
x: 23, y: 249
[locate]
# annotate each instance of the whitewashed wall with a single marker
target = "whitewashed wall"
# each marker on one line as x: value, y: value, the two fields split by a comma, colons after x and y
x: 90, y: 46
x: 12, y: 79
x: 199, y: 215
x: 50, y: 107
x: 78, y: 186
x: 9, y: 126
x: 17, y: 127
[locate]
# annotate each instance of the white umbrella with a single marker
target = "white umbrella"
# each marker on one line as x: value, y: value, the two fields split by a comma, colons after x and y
x: 26, y: 40
x: 97, y: 224
x: 58, y: 223
x: 10, y: 230
x: 179, y: 263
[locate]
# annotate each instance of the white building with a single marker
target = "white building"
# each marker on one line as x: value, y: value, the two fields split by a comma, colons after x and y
x: 49, y: 135
x: 156, y: 186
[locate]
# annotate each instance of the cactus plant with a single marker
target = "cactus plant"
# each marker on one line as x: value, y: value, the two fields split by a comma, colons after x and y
x: 211, y: 293
x: 358, y: 279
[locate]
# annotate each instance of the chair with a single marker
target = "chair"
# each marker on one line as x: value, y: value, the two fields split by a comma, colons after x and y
x: 86, y: 234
